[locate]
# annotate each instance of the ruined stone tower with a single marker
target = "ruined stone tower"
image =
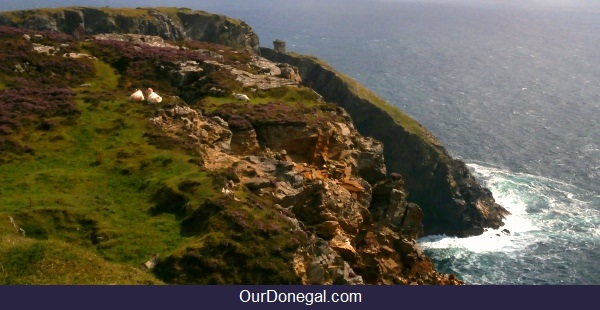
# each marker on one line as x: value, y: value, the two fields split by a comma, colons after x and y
x: 279, y: 46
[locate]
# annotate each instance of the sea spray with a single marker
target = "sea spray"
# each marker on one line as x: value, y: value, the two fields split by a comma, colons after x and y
x: 552, y: 225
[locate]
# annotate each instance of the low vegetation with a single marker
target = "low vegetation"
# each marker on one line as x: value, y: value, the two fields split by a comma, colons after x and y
x: 96, y: 192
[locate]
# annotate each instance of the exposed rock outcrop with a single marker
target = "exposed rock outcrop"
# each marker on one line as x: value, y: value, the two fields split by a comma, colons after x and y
x: 451, y: 199
x: 168, y: 23
x: 321, y: 169
x: 271, y: 75
x: 330, y: 183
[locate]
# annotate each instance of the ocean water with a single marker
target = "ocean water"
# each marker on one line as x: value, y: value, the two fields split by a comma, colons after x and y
x: 510, y: 87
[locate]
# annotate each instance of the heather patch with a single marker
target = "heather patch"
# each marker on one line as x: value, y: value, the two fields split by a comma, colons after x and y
x: 243, y: 116
x: 19, y: 60
x: 28, y: 105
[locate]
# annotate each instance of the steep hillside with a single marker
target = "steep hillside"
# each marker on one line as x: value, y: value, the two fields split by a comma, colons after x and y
x: 174, y: 24
x: 452, y: 200
x: 202, y: 187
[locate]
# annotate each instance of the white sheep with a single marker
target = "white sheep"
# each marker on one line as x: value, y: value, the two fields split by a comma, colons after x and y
x: 137, y: 96
x: 153, y: 97
x: 240, y: 97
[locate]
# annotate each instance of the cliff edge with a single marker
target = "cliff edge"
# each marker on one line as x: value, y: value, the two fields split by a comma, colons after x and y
x: 173, y: 24
x: 452, y: 200
x: 241, y: 174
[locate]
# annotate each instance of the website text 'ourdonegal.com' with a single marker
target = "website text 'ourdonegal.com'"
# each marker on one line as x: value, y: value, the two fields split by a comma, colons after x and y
x: 307, y: 298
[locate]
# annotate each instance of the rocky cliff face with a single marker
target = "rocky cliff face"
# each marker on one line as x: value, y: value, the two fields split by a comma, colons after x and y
x: 323, y: 177
x: 294, y: 186
x: 168, y: 23
x: 278, y: 190
x: 452, y: 200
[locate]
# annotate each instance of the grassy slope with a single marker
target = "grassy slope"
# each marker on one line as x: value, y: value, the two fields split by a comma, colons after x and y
x: 97, y: 196
x: 93, y: 170
x: 26, y: 261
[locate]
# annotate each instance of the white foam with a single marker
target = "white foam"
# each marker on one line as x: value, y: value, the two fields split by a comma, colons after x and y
x: 519, y: 192
x: 489, y: 241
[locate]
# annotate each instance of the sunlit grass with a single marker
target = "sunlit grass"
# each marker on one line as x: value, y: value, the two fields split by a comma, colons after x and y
x: 96, y: 197
x: 100, y: 168
x: 26, y: 261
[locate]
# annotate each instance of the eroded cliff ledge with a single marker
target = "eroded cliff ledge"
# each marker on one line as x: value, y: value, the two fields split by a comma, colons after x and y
x: 453, y: 202
x: 278, y: 190
x: 294, y: 186
x: 174, y: 24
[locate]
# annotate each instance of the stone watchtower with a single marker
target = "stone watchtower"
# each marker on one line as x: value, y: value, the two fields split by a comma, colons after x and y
x: 279, y: 46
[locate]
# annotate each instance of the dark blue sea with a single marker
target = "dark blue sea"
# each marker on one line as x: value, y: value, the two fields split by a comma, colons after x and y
x: 510, y: 87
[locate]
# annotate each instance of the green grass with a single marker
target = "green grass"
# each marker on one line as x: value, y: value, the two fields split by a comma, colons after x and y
x: 97, y: 199
x: 106, y: 79
x: 99, y: 193
x: 100, y: 169
x: 25, y: 261
x: 289, y: 94
x: 234, y: 243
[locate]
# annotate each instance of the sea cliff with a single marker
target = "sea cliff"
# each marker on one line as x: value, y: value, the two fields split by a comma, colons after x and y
x: 174, y: 24
x: 452, y: 200
x: 315, y: 180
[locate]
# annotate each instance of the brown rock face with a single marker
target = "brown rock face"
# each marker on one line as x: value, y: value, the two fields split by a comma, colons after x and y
x: 173, y: 25
x: 187, y: 123
x: 330, y: 183
x: 303, y: 166
x: 389, y: 205
x: 451, y: 199
x: 244, y: 142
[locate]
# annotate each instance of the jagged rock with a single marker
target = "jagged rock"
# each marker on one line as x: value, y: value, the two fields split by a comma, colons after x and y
x: 187, y: 72
x: 136, y: 39
x: 389, y: 205
x: 364, y: 232
x: 341, y: 244
x: 451, y: 200
x: 328, y: 229
x: 328, y: 201
x: 265, y: 66
x: 289, y: 72
x: 79, y: 55
x: 320, y: 264
x: 412, y: 222
x: 244, y: 142
x: 255, y: 184
x: 260, y: 81
x: 184, y: 121
x: 269, y: 74
x: 44, y: 49
x: 185, y: 24
x: 370, y: 162
x: 332, y: 142
x: 219, y: 121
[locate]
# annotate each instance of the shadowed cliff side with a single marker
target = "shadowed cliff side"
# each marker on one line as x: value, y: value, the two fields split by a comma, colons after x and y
x: 452, y: 200
x: 200, y: 188
x: 174, y: 24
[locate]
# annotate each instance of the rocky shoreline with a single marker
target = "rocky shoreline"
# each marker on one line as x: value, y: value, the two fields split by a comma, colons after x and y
x: 355, y: 181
